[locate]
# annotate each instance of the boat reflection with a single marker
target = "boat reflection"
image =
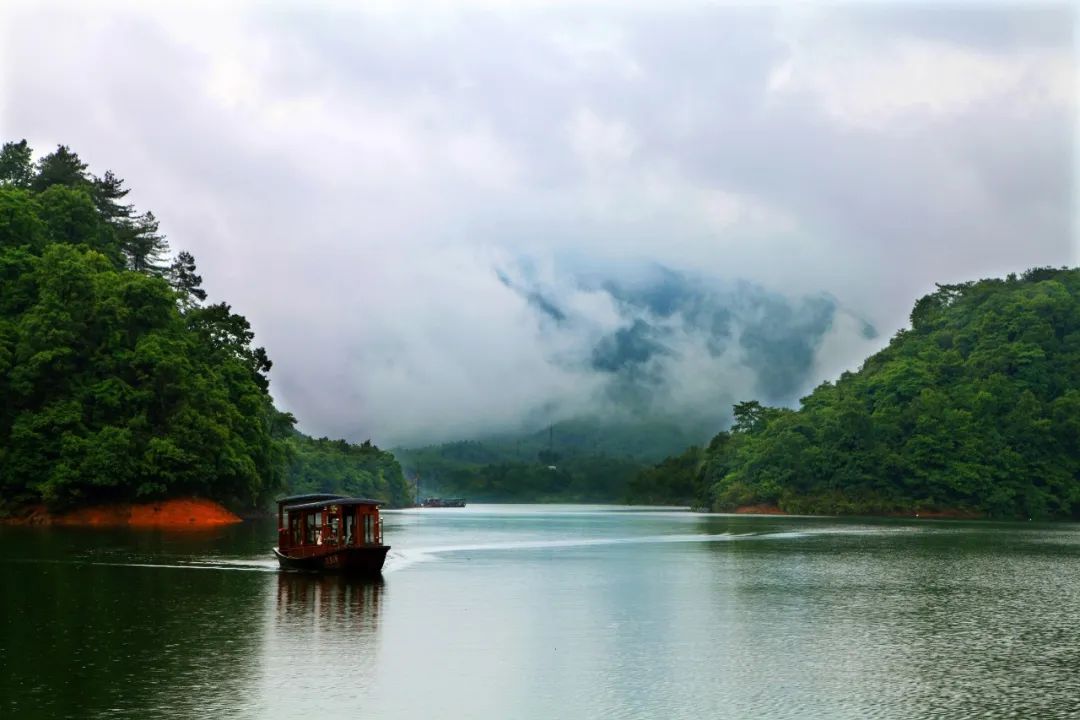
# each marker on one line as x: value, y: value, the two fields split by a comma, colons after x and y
x: 324, y: 628
x: 338, y: 600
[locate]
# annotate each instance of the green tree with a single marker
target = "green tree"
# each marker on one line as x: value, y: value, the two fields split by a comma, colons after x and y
x: 16, y: 164
x: 971, y: 410
x: 61, y: 167
x: 114, y: 383
x: 185, y: 281
x: 146, y: 249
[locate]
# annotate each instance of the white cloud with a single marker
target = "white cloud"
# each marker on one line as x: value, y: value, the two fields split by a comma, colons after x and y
x: 871, y: 82
x: 354, y: 179
x: 601, y: 145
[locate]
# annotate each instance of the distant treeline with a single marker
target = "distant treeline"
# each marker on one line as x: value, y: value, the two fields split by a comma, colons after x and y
x: 362, y: 470
x: 117, y: 381
x: 583, y: 460
x: 975, y: 409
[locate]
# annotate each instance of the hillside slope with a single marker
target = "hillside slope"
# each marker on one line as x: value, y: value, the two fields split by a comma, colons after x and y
x: 975, y: 409
x: 118, y: 382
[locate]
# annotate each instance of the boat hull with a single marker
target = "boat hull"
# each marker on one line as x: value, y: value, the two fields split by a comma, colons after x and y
x: 366, y: 560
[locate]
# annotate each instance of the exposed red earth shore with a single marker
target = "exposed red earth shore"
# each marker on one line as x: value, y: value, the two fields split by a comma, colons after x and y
x: 177, y: 513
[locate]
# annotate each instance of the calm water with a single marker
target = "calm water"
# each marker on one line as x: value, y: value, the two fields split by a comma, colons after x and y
x: 550, y: 612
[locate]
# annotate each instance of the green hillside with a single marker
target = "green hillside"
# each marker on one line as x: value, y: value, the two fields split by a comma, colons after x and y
x: 118, y: 381
x: 324, y: 465
x: 975, y: 409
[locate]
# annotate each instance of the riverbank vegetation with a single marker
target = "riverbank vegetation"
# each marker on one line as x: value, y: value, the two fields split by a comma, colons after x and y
x: 362, y: 470
x: 974, y: 409
x: 119, y: 382
x: 582, y: 460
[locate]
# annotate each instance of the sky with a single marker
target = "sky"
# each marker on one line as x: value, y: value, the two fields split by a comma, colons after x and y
x: 450, y: 219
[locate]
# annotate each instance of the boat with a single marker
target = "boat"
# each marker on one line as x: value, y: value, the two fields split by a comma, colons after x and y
x: 443, y: 502
x: 332, y: 533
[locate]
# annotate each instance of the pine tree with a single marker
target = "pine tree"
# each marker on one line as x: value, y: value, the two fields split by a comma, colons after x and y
x: 108, y: 191
x: 146, y: 249
x: 16, y: 164
x: 62, y: 167
x: 184, y: 280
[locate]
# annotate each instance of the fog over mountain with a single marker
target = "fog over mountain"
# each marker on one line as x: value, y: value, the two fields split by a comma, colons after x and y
x: 457, y: 218
x: 660, y: 343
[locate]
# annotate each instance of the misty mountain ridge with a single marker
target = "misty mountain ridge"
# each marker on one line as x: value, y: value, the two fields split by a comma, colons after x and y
x: 668, y: 353
x: 659, y: 344
x: 580, y: 460
x: 645, y: 440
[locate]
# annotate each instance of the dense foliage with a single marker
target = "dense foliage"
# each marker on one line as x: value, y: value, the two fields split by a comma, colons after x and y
x: 363, y: 470
x: 676, y: 480
x: 975, y: 409
x: 117, y: 382
x: 583, y: 460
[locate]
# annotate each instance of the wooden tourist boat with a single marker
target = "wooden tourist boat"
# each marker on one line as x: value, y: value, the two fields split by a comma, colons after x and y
x: 330, y: 533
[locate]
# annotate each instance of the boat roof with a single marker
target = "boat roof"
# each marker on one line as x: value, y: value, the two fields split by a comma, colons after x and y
x: 308, y: 498
x: 336, y: 500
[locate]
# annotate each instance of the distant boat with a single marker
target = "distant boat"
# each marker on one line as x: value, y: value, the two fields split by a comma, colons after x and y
x: 443, y: 502
x: 330, y: 533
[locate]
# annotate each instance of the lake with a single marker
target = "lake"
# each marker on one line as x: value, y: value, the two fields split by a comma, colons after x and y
x: 526, y: 611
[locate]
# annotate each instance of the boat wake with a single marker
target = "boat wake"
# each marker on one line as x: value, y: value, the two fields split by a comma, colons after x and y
x: 252, y: 565
x: 399, y: 560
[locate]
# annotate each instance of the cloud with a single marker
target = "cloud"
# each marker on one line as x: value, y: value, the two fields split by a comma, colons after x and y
x: 896, y: 82
x: 456, y: 218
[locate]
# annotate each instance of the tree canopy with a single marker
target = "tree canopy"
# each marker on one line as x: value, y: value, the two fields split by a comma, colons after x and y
x: 117, y: 382
x: 974, y: 409
x: 588, y: 459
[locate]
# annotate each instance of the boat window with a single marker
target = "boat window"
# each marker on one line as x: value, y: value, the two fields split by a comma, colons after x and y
x: 314, y: 528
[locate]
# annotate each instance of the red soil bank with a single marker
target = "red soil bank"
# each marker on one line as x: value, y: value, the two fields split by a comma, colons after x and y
x: 759, y: 510
x: 186, y: 512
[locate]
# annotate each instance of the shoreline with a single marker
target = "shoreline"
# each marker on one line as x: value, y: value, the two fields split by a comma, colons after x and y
x: 191, y: 513
x: 947, y: 514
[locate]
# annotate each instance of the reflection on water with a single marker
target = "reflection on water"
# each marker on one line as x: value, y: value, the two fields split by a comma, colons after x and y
x: 320, y: 640
x: 537, y: 612
x: 82, y: 640
x: 315, y: 600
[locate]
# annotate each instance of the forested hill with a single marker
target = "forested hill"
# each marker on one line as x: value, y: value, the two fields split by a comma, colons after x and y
x: 975, y: 409
x: 118, y: 381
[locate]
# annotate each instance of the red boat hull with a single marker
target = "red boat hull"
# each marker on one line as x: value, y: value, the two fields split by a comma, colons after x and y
x: 354, y: 560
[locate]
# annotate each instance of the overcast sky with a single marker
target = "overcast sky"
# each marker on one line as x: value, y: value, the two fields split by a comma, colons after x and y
x: 431, y: 212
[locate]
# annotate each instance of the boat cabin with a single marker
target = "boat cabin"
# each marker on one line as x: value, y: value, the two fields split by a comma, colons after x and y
x: 313, y: 524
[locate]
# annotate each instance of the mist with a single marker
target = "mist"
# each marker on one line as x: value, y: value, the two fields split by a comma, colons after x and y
x: 457, y: 219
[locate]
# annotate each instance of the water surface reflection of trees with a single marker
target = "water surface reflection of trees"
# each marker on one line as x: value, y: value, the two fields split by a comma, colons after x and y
x: 125, y: 641
x: 320, y: 644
